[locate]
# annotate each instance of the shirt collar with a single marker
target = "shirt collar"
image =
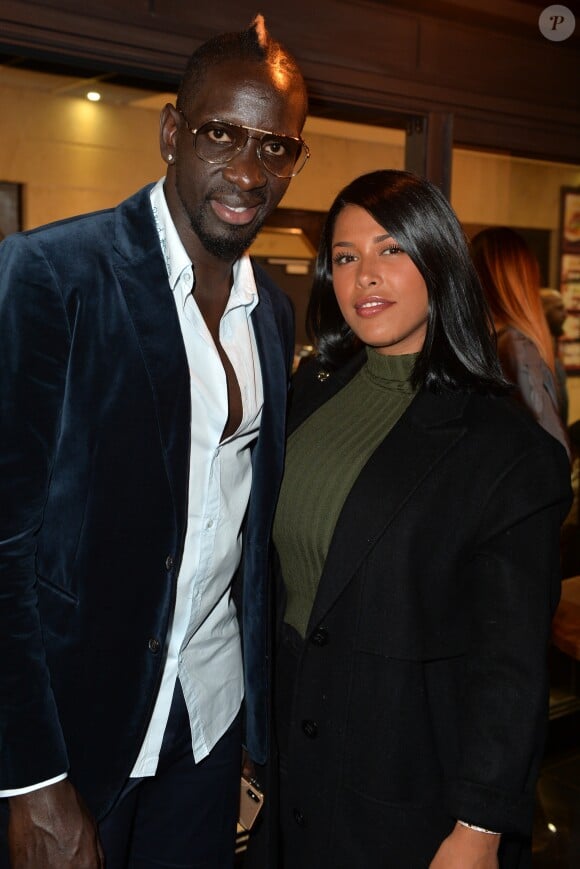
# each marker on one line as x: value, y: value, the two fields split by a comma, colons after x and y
x: 174, y: 253
x: 244, y: 290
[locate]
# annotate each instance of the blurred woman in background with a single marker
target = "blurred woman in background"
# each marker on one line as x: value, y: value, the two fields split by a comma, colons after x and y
x: 510, y: 276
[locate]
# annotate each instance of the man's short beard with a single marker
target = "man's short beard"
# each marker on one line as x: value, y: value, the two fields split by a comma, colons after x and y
x: 227, y: 247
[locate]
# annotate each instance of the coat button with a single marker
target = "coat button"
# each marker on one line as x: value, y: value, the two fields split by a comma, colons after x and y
x: 154, y: 645
x: 299, y: 817
x: 169, y: 562
x: 310, y: 728
x: 319, y: 637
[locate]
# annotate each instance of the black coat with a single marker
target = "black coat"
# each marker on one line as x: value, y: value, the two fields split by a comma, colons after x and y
x: 421, y: 695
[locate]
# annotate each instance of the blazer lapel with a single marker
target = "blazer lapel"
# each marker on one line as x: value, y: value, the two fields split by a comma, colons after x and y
x: 267, y: 459
x: 142, y: 275
x: 268, y: 455
x: 423, y: 435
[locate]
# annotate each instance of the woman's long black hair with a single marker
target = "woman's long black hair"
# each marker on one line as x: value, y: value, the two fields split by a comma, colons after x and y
x: 459, y: 349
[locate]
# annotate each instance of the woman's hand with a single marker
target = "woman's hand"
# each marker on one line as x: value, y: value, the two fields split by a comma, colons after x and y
x: 465, y: 848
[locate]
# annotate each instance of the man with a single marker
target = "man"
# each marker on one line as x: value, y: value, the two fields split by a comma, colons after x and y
x: 143, y: 375
x: 555, y: 311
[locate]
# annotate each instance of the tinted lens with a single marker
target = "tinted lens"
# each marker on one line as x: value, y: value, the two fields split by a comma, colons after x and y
x: 217, y: 142
x: 280, y: 154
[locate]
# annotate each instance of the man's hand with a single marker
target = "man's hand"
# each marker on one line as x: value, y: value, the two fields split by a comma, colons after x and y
x: 467, y: 849
x: 52, y: 829
x: 248, y: 768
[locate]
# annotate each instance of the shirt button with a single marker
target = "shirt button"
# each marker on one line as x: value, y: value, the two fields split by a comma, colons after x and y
x: 169, y: 562
x: 319, y: 637
x: 299, y: 817
x: 310, y: 728
x: 209, y: 523
x: 154, y: 645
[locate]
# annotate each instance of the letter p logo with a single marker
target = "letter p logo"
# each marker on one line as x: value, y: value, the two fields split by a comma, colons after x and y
x: 557, y: 23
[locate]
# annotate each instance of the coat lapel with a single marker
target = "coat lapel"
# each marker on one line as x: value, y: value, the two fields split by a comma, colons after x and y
x: 314, y: 386
x: 424, y: 434
x: 142, y: 274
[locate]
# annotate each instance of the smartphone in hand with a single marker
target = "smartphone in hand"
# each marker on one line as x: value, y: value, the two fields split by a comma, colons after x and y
x: 251, y: 801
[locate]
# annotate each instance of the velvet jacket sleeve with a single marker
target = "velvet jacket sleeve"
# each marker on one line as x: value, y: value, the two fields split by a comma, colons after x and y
x: 34, y: 342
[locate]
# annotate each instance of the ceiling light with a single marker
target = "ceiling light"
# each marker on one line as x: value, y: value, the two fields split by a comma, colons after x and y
x: 93, y: 96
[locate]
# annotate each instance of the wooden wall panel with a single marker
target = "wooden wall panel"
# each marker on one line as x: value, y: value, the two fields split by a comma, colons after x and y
x: 531, y: 70
x: 484, y: 62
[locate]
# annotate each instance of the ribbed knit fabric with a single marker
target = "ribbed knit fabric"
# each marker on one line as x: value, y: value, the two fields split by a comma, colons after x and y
x: 324, y: 458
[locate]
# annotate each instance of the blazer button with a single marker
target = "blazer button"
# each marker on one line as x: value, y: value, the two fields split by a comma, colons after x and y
x: 320, y: 636
x: 310, y: 728
x: 169, y: 562
x: 154, y: 645
x: 299, y: 817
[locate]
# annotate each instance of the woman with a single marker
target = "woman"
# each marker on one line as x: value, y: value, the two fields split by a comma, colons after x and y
x: 510, y: 275
x: 417, y: 540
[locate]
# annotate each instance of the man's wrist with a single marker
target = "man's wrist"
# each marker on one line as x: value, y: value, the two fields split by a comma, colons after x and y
x: 16, y: 792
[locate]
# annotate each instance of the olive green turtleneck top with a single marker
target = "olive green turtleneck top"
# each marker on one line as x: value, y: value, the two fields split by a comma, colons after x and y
x: 324, y: 457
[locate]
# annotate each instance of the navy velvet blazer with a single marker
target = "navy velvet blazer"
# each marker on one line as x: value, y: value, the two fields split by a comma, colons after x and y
x: 95, y: 438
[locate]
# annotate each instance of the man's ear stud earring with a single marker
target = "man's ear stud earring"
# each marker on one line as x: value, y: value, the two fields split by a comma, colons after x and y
x: 169, y: 158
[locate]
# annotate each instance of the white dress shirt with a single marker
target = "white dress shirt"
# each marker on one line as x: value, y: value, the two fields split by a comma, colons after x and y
x: 204, y: 643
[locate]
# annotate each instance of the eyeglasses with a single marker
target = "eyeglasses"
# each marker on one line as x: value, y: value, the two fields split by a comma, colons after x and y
x: 219, y: 142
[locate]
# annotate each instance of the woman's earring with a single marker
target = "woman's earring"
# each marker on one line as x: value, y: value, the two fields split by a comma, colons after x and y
x: 169, y: 158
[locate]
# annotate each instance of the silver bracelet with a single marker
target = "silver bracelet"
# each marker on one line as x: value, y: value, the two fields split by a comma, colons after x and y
x: 478, y: 829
